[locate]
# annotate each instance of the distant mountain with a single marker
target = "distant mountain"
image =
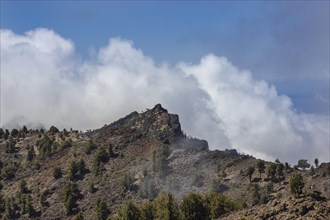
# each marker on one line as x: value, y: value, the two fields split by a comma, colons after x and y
x: 52, y: 174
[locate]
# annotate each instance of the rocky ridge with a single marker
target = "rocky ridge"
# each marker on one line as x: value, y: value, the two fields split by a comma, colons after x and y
x: 137, y: 142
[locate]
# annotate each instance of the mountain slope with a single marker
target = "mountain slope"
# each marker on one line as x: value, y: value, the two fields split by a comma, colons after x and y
x: 134, y: 158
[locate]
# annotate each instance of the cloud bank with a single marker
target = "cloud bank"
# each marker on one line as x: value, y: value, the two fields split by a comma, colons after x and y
x: 44, y: 82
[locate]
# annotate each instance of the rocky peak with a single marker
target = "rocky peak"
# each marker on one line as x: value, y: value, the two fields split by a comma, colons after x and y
x: 154, y: 123
x: 159, y: 108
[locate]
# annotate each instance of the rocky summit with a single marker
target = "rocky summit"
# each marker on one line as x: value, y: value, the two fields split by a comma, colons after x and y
x: 143, y: 166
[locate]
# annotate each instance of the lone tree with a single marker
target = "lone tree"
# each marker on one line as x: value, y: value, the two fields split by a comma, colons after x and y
x: 279, y: 171
x: 30, y: 154
x: 303, y: 164
x: 70, y: 195
x: 250, y: 172
x: 53, y: 130
x: 287, y: 166
x: 261, y: 167
x: 272, y: 172
x: 316, y: 161
x: 296, y: 184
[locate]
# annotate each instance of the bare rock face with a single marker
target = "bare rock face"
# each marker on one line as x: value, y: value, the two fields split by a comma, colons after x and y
x: 156, y: 123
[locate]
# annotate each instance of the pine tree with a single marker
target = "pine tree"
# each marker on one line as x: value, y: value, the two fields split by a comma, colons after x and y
x: 296, y: 184
x: 316, y: 161
x: 30, y: 154
x: 261, y: 167
x: 250, y: 172
x: 272, y: 172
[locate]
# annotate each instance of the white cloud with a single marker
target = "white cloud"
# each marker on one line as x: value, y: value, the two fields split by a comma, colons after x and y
x: 42, y: 81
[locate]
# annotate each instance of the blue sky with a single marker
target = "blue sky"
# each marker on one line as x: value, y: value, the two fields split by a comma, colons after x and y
x: 285, y: 43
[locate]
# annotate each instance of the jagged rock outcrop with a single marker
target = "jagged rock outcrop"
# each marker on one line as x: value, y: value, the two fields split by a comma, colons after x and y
x: 155, y: 123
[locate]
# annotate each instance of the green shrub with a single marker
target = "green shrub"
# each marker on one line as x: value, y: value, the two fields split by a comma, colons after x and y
x: 9, y: 170
x: 10, y: 147
x: 101, y: 156
x: 89, y: 147
x: 102, y: 210
x: 30, y: 154
x: 296, y: 184
x: 57, y: 173
x: 45, y: 146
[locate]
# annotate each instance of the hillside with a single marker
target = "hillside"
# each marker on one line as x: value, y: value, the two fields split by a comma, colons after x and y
x: 136, y: 158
